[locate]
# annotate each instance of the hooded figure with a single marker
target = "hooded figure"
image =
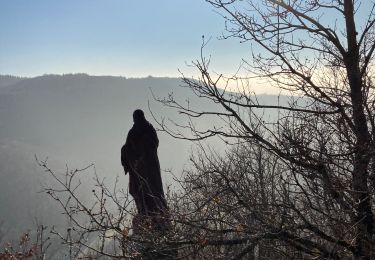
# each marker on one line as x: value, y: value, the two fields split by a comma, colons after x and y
x: 139, y: 157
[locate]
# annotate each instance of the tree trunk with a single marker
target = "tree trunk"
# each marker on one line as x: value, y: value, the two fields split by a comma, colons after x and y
x: 364, y: 218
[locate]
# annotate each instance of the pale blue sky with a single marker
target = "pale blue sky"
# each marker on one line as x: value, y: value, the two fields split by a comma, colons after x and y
x: 133, y: 38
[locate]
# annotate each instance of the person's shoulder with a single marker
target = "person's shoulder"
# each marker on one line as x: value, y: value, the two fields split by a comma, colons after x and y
x: 150, y: 126
x: 132, y: 130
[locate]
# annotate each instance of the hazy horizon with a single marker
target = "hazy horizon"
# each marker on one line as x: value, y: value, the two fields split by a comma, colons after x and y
x: 87, y: 74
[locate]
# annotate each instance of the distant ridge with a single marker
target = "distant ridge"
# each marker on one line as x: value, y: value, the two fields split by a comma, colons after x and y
x: 7, y: 80
x: 15, y: 78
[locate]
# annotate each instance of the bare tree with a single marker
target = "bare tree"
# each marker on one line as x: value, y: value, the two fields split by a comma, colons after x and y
x: 28, y: 246
x: 237, y: 205
x: 101, y: 226
x: 323, y: 138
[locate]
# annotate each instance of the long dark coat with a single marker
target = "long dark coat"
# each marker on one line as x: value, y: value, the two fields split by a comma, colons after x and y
x: 139, y: 157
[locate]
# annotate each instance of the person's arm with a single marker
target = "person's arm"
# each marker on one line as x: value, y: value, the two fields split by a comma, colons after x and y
x: 127, y: 153
x: 154, y: 137
x: 124, y: 161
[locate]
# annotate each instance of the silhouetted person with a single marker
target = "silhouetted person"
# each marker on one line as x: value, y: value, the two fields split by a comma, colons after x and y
x: 139, y: 157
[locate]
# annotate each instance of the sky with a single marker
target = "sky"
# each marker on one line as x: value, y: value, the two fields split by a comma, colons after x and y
x: 131, y: 38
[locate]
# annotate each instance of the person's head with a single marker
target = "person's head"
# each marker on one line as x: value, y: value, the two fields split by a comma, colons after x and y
x: 138, y: 116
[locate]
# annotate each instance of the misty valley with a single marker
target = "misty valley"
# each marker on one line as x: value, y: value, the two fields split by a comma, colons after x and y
x: 75, y: 120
